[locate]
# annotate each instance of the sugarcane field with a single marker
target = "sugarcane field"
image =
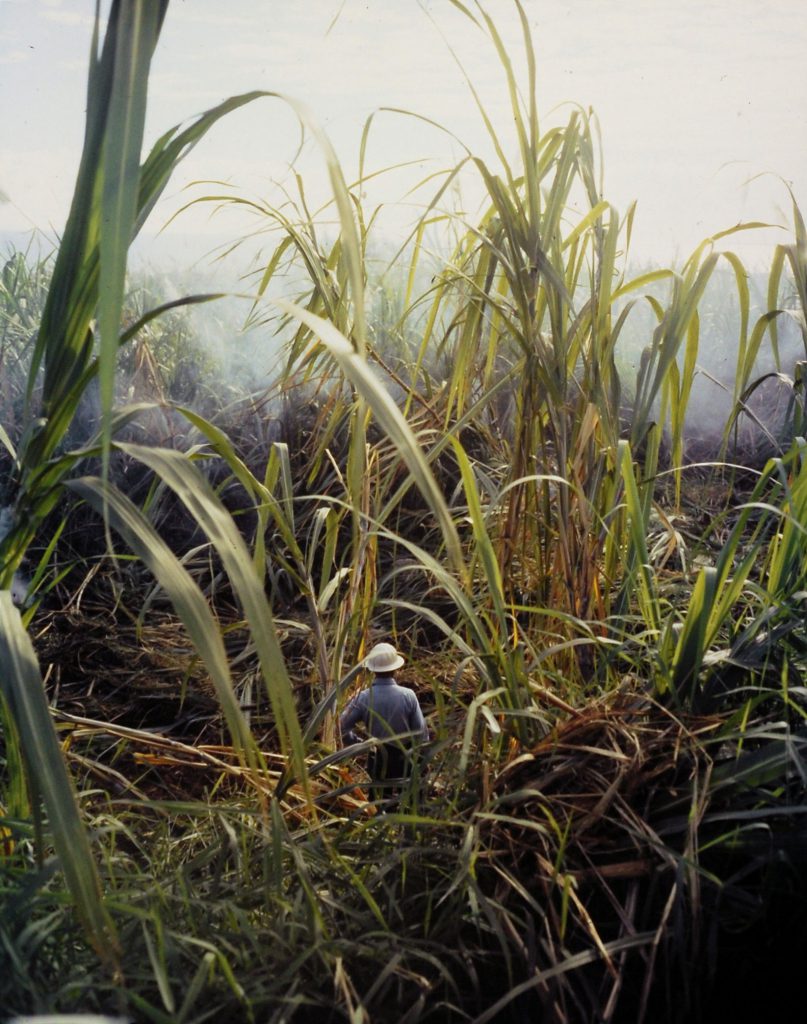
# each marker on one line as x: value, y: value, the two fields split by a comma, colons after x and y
x: 403, y: 593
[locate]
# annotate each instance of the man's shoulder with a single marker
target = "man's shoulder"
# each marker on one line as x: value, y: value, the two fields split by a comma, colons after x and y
x: 401, y: 691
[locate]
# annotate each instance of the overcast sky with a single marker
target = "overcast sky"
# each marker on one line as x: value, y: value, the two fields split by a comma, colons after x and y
x: 695, y: 99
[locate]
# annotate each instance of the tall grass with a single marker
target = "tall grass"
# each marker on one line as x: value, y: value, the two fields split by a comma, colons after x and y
x: 113, y: 196
x: 611, y: 731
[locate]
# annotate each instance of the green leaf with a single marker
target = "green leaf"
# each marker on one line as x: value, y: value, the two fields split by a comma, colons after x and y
x: 188, y: 600
x: 137, y: 29
x: 24, y: 693
x: 206, y: 508
x: 389, y: 416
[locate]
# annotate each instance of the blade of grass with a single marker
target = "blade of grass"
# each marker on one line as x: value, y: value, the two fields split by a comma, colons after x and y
x: 389, y: 416
x: 208, y: 511
x: 24, y: 694
x: 141, y: 537
x: 137, y: 33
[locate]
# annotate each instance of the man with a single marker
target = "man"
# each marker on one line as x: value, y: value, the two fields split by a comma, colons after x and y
x: 389, y: 712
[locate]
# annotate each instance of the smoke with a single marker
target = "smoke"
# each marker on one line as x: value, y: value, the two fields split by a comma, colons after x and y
x: 235, y: 338
x: 763, y: 427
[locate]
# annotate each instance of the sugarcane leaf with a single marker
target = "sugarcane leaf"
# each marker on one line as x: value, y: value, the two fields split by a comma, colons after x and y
x: 390, y: 417
x: 198, y: 496
x: 24, y: 693
x: 188, y: 600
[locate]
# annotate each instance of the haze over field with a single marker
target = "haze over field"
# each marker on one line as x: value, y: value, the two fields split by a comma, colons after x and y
x: 694, y: 100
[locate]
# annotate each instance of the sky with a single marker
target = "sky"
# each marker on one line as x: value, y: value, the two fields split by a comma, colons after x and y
x: 701, y: 104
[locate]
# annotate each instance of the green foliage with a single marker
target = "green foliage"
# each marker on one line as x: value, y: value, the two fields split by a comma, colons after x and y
x: 572, y: 815
x: 23, y: 288
x: 23, y: 699
x: 113, y: 194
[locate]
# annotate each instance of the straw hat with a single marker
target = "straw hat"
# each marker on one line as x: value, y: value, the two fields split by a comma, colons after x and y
x: 383, y: 658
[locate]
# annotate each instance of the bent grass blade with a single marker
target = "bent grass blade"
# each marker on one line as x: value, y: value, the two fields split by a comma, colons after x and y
x: 389, y: 416
x: 207, y: 509
x: 188, y: 600
x: 24, y: 693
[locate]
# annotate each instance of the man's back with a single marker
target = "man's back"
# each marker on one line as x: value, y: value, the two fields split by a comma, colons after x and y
x: 387, y: 710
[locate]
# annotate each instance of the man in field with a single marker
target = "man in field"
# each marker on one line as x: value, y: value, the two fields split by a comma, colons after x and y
x: 390, y: 713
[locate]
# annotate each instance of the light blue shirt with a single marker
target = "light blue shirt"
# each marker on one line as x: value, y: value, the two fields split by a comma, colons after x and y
x: 387, y: 710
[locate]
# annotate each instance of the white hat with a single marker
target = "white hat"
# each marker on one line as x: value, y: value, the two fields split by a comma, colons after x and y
x: 382, y: 659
